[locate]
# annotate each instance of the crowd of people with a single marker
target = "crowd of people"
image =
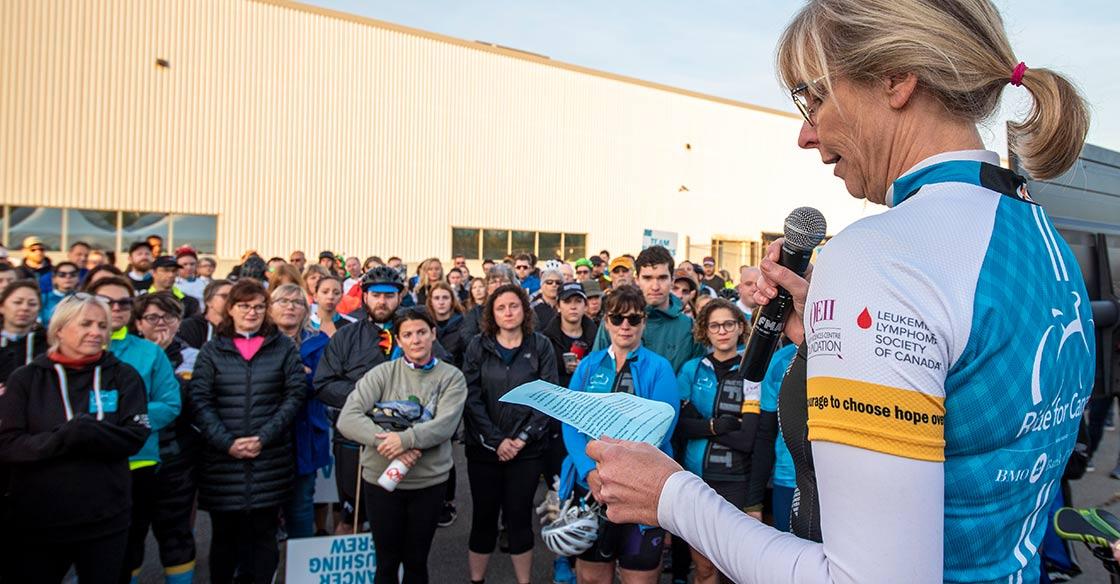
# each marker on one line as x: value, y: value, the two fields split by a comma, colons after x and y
x: 133, y: 397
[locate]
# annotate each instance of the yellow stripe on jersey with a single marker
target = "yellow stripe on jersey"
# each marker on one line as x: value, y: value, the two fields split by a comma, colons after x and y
x: 751, y: 407
x: 885, y: 419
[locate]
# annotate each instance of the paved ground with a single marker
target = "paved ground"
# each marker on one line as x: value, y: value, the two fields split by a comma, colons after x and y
x: 449, y: 550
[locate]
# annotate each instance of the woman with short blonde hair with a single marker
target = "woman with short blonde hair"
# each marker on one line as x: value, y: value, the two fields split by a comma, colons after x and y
x: 72, y: 418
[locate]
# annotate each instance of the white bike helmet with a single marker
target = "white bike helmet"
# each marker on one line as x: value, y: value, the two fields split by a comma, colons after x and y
x: 552, y: 265
x: 574, y: 531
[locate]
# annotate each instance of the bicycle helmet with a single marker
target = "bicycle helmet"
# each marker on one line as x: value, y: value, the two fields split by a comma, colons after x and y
x: 253, y: 267
x: 574, y: 531
x: 382, y: 276
x: 552, y: 265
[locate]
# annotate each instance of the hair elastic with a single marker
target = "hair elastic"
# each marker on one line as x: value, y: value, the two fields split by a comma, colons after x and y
x: 1017, y: 74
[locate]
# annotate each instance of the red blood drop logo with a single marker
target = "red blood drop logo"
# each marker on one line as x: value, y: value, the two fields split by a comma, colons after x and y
x: 864, y: 320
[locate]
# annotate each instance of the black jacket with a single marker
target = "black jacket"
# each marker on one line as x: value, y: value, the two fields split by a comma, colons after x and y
x: 561, y: 344
x: 191, y: 306
x: 472, y: 325
x: 489, y: 421
x: 13, y: 354
x: 353, y: 351
x: 26, y: 272
x: 179, y: 442
x: 70, y: 480
x: 234, y: 398
x: 450, y: 334
x: 195, y: 330
x: 543, y: 313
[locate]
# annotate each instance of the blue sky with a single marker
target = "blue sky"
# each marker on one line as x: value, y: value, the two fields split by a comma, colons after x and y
x: 725, y: 47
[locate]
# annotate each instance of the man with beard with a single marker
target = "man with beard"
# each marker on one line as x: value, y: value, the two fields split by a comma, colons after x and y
x: 353, y: 351
x: 140, y: 265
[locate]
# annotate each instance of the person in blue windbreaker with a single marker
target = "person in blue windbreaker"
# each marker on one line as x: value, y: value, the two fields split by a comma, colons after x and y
x: 624, y: 366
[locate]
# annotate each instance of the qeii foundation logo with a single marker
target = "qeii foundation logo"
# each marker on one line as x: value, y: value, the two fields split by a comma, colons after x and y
x: 822, y: 312
x: 824, y: 332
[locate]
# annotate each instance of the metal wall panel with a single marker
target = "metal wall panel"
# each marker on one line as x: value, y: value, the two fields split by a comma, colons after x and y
x: 304, y: 128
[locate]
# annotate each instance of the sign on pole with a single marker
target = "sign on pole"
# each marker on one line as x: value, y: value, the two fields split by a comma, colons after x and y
x: 666, y: 239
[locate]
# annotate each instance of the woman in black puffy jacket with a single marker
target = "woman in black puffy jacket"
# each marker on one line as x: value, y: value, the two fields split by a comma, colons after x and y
x: 506, y: 443
x: 247, y: 387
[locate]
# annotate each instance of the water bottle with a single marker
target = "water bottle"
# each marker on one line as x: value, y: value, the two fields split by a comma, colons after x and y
x: 393, y: 475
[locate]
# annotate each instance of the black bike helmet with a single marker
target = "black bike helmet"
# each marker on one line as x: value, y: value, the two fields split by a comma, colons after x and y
x: 253, y: 267
x: 383, y: 276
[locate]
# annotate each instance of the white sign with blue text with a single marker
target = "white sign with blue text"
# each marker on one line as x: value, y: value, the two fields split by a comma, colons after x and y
x: 666, y: 239
x: 341, y: 559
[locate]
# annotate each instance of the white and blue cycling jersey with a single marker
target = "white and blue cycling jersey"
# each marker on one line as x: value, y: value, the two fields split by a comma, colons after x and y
x: 950, y: 356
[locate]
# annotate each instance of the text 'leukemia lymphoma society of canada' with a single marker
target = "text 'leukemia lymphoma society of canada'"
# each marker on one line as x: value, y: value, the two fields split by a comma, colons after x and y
x: 901, y: 337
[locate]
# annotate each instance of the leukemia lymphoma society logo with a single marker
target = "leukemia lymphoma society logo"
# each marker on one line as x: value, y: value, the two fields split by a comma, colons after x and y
x: 864, y: 319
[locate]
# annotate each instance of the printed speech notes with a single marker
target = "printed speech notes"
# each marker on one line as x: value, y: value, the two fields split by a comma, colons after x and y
x: 618, y: 415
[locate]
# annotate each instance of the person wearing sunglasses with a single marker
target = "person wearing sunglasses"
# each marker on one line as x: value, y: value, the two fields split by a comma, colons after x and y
x: 719, y: 414
x: 156, y: 318
x: 64, y: 282
x: 164, y: 406
x: 524, y: 266
x: 36, y: 263
x: 628, y: 367
x: 583, y: 270
x: 247, y: 388
x: 545, y: 302
x: 668, y: 331
x: 71, y: 419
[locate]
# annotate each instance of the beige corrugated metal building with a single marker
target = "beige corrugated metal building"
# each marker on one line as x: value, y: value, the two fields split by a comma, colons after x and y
x: 235, y: 124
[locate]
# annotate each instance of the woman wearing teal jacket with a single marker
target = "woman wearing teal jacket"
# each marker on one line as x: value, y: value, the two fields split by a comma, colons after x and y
x: 625, y: 366
x: 164, y: 405
x: 719, y: 414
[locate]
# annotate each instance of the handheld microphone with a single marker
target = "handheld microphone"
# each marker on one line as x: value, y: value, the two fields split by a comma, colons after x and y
x: 804, y: 230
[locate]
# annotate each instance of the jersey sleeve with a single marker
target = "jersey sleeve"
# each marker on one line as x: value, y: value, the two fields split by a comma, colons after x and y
x: 880, y: 334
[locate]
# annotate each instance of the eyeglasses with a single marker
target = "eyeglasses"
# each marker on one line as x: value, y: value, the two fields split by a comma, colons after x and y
x: 727, y: 325
x: 521, y: 267
x: 620, y: 269
x: 290, y: 302
x: 67, y: 274
x: 243, y: 307
x: 155, y: 319
x: 633, y: 319
x: 123, y: 303
x: 583, y: 271
x: 36, y: 249
x: 801, y: 98
x: 551, y: 282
